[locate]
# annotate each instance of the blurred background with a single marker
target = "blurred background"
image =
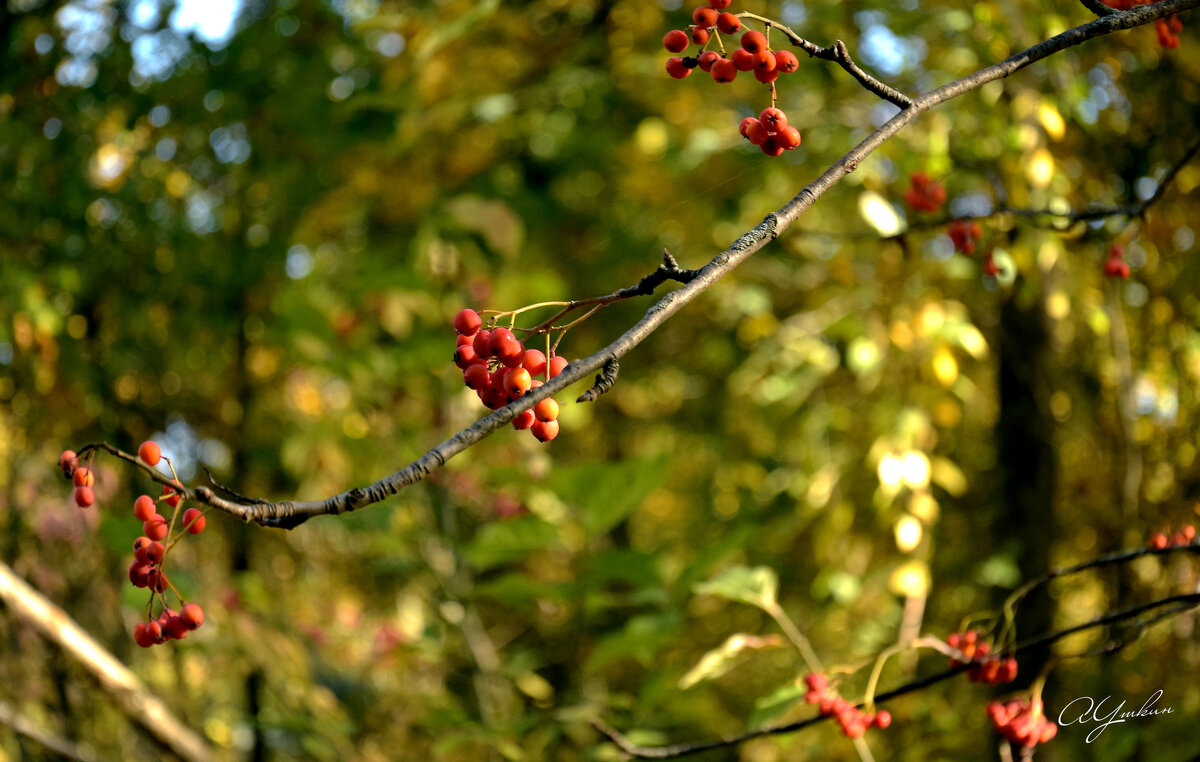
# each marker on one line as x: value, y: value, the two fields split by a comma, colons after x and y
x: 241, y: 228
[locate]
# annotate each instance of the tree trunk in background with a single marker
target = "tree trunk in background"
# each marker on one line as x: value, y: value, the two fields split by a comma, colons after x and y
x: 1027, y: 459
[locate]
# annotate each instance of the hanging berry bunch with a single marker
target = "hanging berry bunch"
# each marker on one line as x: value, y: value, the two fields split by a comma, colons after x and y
x: 985, y: 666
x: 1168, y: 29
x: 150, y: 551
x: 924, y: 194
x: 770, y: 130
x: 853, y: 721
x: 1116, y: 266
x: 500, y: 369
x: 1022, y: 721
x: 964, y: 234
x: 1161, y: 540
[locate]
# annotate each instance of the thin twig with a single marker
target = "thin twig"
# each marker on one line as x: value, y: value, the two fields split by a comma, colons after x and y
x: 21, y: 724
x: 604, y: 381
x: 1097, y: 7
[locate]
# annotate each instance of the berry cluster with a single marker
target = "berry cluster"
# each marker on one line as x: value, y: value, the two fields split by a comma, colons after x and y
x: 965, y: 234
x: 853, y: 720
x: 1116, y: 266
x: 754, y: 54
x: 1168, y: 29
x: 924, y: 194
x: 500, y: 370
x: 151, y: 549
x: 1022, y: 722
x: 770, y: 132
x: 985, y: 667
x: 1160, y: 540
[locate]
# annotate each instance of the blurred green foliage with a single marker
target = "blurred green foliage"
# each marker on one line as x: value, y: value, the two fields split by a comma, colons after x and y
x: 250, y: 248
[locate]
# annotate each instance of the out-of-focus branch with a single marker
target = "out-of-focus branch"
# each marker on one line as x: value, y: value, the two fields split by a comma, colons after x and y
x: 289, y: 514
x: 129, y: 693
x: 20, y: 724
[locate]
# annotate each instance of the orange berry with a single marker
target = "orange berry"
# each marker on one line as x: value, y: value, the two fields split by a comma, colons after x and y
x: 675, y: 40
x: 773, y: 119
x: 764, y: 60
x: 467, y: 322
x: 786, y: 61
x: 707, y: 59
x: 743, y: 60
x: 84, y: 497
x: 676, y: 68
x: 704, y: 16
x: 150, y: 453
x: 544, y: 430
x: 68, y: 461
x: 83, y: 477
x: 789, y: 137
x: 754, y: 41
x: 155, y: 528
x: 193, y: 521
x: 766, y: 77
x: 523, y: 421
x: 534, y: 362
x: 191, y: 615
x: 724, y: 71
x: 728, y: 23
x: 556, y: 365
x: 517, y: 381
x: 546, y: 410
x: 699, y: 35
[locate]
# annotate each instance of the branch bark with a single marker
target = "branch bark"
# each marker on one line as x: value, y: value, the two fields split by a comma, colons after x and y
x: 130, y: 694
x: 289, y: 514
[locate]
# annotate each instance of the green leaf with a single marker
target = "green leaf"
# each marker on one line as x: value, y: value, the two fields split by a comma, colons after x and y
x: 505, y: 541
x: 757, y: 586
x: 775, y: 703
x: 720, y: 660
x: 606, y: 493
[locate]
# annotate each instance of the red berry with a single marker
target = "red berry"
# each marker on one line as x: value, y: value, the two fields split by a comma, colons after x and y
x: 467, y: 322
x: 150, y: 453
x: 192, y: 616
x: 544, y: 430
x: 144, y: 507
x: 708, y: 58
x: 699, y: 35
x: 786, y: 61
x: 704, y: 16
x: 517, y: 382
x: 676, y: 68
x: 476, y: 376
x: 742, y: 60
x: 84, y: 497
x: 766, y: 77
x: 816, y: 681
x: 1189, y: 531
x: 764, y: 60
x: 771, y: 146
x: 883, y: 719
x: 773, y: 119
x: 466, y: 356
x: 83, y: 477
x: 173, y: 500
x: 556, y: 365
x: 68, y: 461
x: 523, y: 421
x: 511, y: 353
x: 789, y: 137
x: 534, y: 362
x: 140, y: 545
x: 546, y: 410
x: 481, y: 343
x: 728, y: 23
x: 721, y: 5
x: 143, y: 636
x: 155, y: 527
x: 193, y: 521
x: 138, y: 573
x: 754, y: 41
x: 724, y: 71
x: 157, y: 580
x: 745, y: 123
x: 675, y: 40
x: 756, y: 133
x: 175, y: 628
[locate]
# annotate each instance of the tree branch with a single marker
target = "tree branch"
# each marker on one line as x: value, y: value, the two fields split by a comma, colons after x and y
x: 130, y: 694
x: 289, y: 514
x: 55, y: 743
x: 1176, y: 604
x: 1098, y: 8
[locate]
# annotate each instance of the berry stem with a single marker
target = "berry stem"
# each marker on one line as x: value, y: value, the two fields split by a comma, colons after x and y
x: 793, y: 634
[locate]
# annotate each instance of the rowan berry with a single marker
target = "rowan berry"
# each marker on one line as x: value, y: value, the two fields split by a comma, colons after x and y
x: 728, y: 23
x: 517, y: 381
x: 756, y: 133
x: 193, y: 521
x: 138, y: 571
x: 140, y: 545
x: 83, y: 477
x: 786, y: 61
x: 720, y: 5
x: 789, y: 137
x: 724, y: 71
x: 155, y: 552
x: 771, y: 146
x: 523, y: 420
x: 764, y: 60
x: 192, y: 615
x: 707, y: 59
x: 882, y: 719
x: 544, y: 430
x: 465, y: 356
x: 157, y: 580
x: 481, y: 343
x: 68, y: 462
x: 534, y: 362
x: 467, y: 322
x: 143, y: 635
x: 742, y: 60
x: 699, y: 36
x: 155, y: 527
x: 555, y: 365
x: 745, y: 123
x: 173, y: 497
x: 175, y: 628
x: 476, y: 376
x: 773, y: 119
x: 766, y: 77
x: 704, y: 16
x: 150, y: 453
x: 676, y: 40
x: 546, y: 410
x: 676, y: 68
x: 754, y: 41
x: 511, y: 354
x: 84, y: 497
